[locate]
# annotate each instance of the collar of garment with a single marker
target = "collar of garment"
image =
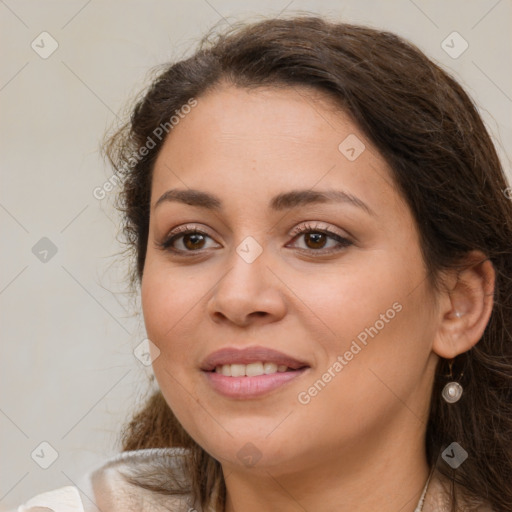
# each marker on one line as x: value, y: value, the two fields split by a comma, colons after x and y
x: 106, y: 488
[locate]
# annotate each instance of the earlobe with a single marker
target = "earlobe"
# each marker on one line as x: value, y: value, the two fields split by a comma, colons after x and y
x: 467, y: 307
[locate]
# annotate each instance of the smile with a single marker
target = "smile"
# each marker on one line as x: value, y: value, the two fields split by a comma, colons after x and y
x: 251, y: 370
x: 247, y: 387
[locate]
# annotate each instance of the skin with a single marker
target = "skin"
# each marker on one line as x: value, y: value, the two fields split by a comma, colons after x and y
x: 358, y: 445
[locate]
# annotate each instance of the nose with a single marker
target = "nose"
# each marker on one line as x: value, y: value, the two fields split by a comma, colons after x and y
x: 248, y: 293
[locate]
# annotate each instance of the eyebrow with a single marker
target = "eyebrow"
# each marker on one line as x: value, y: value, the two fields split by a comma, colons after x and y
x: 280, y: 202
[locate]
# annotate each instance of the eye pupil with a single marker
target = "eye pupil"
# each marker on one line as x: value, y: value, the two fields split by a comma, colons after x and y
x: 195, y: 237
x: 318, y: 239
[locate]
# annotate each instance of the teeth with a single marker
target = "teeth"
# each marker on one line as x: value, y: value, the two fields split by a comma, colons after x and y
x: 269, y: 368
x: 254, y: 369
x: 225, y: 370
x: 250, y: 370
x: 237, y: 370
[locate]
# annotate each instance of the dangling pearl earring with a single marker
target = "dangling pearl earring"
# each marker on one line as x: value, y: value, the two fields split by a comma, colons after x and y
x: 453, y: 390
x: 458, y: 314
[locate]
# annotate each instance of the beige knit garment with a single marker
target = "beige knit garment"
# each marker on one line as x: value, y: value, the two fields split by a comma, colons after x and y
x: 104, y: 488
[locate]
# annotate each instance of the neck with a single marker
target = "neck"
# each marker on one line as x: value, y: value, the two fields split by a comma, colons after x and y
x: 372, y: 476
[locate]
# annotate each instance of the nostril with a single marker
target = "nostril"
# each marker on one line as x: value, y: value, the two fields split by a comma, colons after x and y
x: 259, y: 313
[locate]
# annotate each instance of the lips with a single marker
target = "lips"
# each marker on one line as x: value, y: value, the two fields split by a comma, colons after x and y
x: 250, y: 355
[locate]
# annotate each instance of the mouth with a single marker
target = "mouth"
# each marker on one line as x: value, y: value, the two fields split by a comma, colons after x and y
x: 251, y: 372
x: 253, y: 369
x: 251, y: 361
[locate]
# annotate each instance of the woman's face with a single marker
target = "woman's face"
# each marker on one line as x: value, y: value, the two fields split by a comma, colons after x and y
x: 348, y: 312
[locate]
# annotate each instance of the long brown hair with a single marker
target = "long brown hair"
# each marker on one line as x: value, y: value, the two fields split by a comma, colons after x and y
x: 445, y: 166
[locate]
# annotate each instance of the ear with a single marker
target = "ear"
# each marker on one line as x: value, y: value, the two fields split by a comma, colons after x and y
x: 469, y: 292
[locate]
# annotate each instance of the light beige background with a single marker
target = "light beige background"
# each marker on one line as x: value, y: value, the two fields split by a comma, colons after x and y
x: 68, y: 373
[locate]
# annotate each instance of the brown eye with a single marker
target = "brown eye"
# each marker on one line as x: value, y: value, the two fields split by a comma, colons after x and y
x: 185, y: 240
x: 315, y: 240
x: 193, y: 241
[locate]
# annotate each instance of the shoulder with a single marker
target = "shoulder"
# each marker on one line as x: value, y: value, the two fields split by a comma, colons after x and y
x: 150, y: 479
x: 65, y: 499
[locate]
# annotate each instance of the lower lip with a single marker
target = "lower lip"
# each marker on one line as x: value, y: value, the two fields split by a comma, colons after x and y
x: 250, y: 387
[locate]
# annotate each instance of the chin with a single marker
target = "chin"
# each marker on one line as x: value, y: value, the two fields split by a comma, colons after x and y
x: 253, y: 452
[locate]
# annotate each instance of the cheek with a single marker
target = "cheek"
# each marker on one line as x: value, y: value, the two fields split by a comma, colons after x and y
x: 165, y: 300
x: 170, y: 302
x: 164, y: 309
x: 350, y: 298
x: 377, y: 318
x: 155, y: 298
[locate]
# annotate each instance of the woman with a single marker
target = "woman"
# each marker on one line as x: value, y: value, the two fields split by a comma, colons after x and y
x: 321, y: 234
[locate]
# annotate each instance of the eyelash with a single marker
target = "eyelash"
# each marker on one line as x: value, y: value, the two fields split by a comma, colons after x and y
x: 301, y: 230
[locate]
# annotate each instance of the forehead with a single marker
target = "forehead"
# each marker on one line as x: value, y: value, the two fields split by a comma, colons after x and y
x: 296, y: 115
x: 252, y: 143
